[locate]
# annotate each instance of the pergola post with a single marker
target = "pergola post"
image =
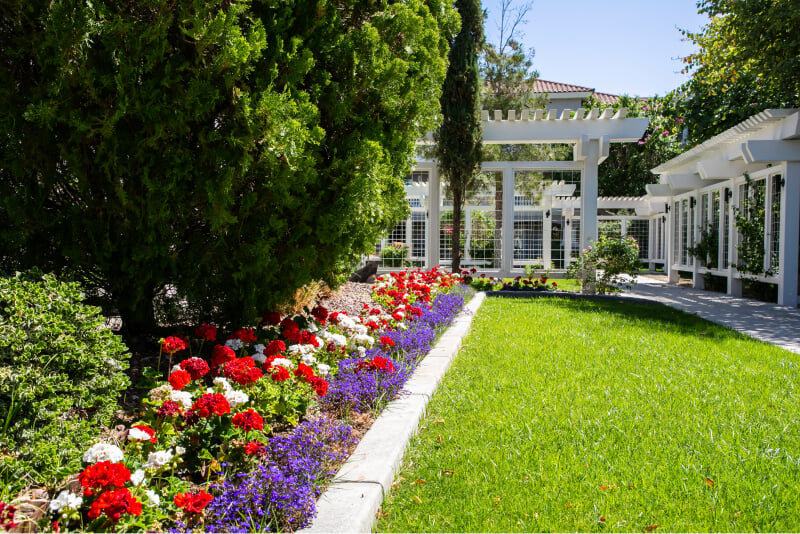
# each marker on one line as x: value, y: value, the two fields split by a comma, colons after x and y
x: 588, y: 151
x: 434, y: 217
x: 790, y: 237
x: 508, y: 221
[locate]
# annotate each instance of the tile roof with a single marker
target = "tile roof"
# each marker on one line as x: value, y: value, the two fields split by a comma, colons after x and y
x: 606, y: 98
x: 544, y: 86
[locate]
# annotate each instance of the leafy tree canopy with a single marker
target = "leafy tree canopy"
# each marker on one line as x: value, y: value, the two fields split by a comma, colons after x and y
x: 748, y: 60
x: 216, y: 154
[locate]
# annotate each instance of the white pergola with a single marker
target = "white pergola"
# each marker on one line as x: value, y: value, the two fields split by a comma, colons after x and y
x: 591, y: 135
x: 704, y: 187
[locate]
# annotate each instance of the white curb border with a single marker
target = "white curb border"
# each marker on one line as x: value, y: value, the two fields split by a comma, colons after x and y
x: 358, y: 489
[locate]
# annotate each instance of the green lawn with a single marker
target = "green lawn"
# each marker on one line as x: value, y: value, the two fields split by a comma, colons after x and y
x: 564, y: 415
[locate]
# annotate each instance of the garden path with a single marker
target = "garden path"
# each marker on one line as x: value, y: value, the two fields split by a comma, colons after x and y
x: 764, y: 321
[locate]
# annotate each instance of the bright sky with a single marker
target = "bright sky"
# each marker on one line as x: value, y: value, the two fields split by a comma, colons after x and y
x: 614, y: 46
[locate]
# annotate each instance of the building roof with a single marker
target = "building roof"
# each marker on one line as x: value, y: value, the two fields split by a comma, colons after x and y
x: 564, y: 90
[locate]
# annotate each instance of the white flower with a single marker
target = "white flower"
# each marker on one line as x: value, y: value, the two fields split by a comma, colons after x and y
x: 235, y: 344
x: 323, y: 369
x: 158, y: 458
x: 66, y: 499
x: 283, y: 361
x: 137, y: 477
x: 259, y: 347
x: 361, y: 330
x: 402, y: 326
x: 236, y: 398
x: 337, y: 339
x: 294, y: 350
x: 346, y: 322
x: 135, y: 433
x: 222, y: 382
x: 153, y: 496
x: 312, y: 327
x: 361, y: 351
x: 363, y: 339
x: 175, y: 367
x: 259, y: 357
x: 179, y: 450
x: 160, y: 393
x: 182, y: 397
x: 103, y: 452
x: 309, y: 359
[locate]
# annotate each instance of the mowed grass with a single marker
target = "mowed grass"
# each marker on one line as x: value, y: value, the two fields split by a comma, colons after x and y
x: 562, y: 415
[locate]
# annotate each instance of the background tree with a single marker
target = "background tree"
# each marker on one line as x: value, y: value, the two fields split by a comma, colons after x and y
x: 458, y: 139
x: 626, y: 171
x: 748, y: 60
x: 215, y: 155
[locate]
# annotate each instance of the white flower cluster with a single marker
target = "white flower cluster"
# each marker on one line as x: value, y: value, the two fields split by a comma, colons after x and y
x: 337, y: 339
x: 141, y: 435
x: 158, y: 459
x: 155, y: 499
x: 103, y: 452
x: 165, y: 392
x: 64, y: 500
x: 234, y: 397
x: 283, y: 362
x: 234, y: 343
x: 363, y: 339
x: 137, y: 477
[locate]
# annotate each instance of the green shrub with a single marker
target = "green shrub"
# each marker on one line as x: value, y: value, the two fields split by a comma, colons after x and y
x: 610, y: 263
x: 61, y: 372
x: 394, y: 255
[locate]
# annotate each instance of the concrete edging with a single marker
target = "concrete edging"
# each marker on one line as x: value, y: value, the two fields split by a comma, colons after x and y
x: 358, y: 489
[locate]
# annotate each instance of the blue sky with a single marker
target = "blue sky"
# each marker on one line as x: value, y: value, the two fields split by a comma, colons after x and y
x: 615, y: 46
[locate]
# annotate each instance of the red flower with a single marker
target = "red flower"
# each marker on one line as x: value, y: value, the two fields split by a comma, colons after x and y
x: 271, y: 317
x: 242, y: 370
x: 376, y: 363
x: 245, y: 335
x: 103, y: 476
x: 173, y: 344
x: 249, y: 420
x: 307, y: 338
x: 115, y: 503
x: 254, y: 447
x: 375, y: 311
x: 304, y: 372
x: 221, y: 354
x: 196, y: 367
x: 193, y: 502
x: 397, y: 316
x: 178, y: 379
x: 320, y: 385
x: 7, y: 512
x: 211, y: 404
x: 206, y: 331
x: 170, y: 409
x: 386, y: 341
x: 291, y: 331
x: 320, y: 313
x: 279, y: 373
x: 275, y: 347
x: 147, y: 430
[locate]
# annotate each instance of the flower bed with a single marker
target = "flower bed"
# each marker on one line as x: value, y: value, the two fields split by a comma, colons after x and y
x: 225, y: 442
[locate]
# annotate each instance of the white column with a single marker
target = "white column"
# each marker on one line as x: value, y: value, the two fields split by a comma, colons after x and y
x: 434, y: 217
x: 790, y: 236
x: 673, y: 220
x: 507, y: 252
x: 734, y: 283
x: 698, y: 282
x: 567, y: 232
x: 588, y: 151
x: 547, y: 231
x: 467, y: 233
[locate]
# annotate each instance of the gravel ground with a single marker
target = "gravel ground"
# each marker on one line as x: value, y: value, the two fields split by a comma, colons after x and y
x: 349, y: 298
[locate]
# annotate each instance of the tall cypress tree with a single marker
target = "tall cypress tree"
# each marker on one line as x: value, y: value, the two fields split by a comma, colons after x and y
x: 458, y: 139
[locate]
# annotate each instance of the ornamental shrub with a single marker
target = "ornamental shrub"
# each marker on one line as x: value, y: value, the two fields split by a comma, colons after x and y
x: 210, y: 156
x: 61, y: 372
x: 609, y: 264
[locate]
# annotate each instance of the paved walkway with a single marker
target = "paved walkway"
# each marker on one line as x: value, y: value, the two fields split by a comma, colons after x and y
x: 761, y: 320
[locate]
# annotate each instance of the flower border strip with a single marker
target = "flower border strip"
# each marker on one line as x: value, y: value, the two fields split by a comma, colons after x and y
x: 352, y: 500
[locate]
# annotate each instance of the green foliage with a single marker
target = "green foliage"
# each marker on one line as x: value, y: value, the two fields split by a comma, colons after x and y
x: 627, y: 169
x: 617, y: 257
x: 458, y: 139
x: 707, y: 248
x: 60, y: 374
x: 750, y: 218
x: 394, y: 254
x: 748, y: 60
x: 231, y: 150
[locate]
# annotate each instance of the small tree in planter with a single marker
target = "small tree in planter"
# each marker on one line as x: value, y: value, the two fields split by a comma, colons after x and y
x: 610, y: 264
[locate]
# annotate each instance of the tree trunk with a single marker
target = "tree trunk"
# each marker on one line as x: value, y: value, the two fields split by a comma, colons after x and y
x: 455, y: 245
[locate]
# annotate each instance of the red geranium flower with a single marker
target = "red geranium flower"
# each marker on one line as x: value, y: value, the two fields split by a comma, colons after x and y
x: 320, y: 313
x: 221, y: 354
x: 103, y: 476
x: 193, y: 502
x: 386, y: 341
x: 304, y: 372
x: 206, y: 331
x: 275, y: 347
x: 307, y: 338
x: 147, y: 430
x: 196, y: 367
x: 170, y: 409
x: 320, y: 385
x: 242, y: 370
x: 249, y: 420
x: 279, y: 373
x: 173, y: 344
x: 254, y: 447
x: 271, y: 318
x: 115, y: 503
x: 178, y: 379
x: 211, y: 404
x: 245, y: 335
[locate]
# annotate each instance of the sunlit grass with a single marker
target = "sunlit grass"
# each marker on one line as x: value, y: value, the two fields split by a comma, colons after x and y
x: 564, y: 415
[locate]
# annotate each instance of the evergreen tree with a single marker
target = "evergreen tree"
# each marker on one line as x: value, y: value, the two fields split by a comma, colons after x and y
x: 209, y: 156
x: 459, y: 136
